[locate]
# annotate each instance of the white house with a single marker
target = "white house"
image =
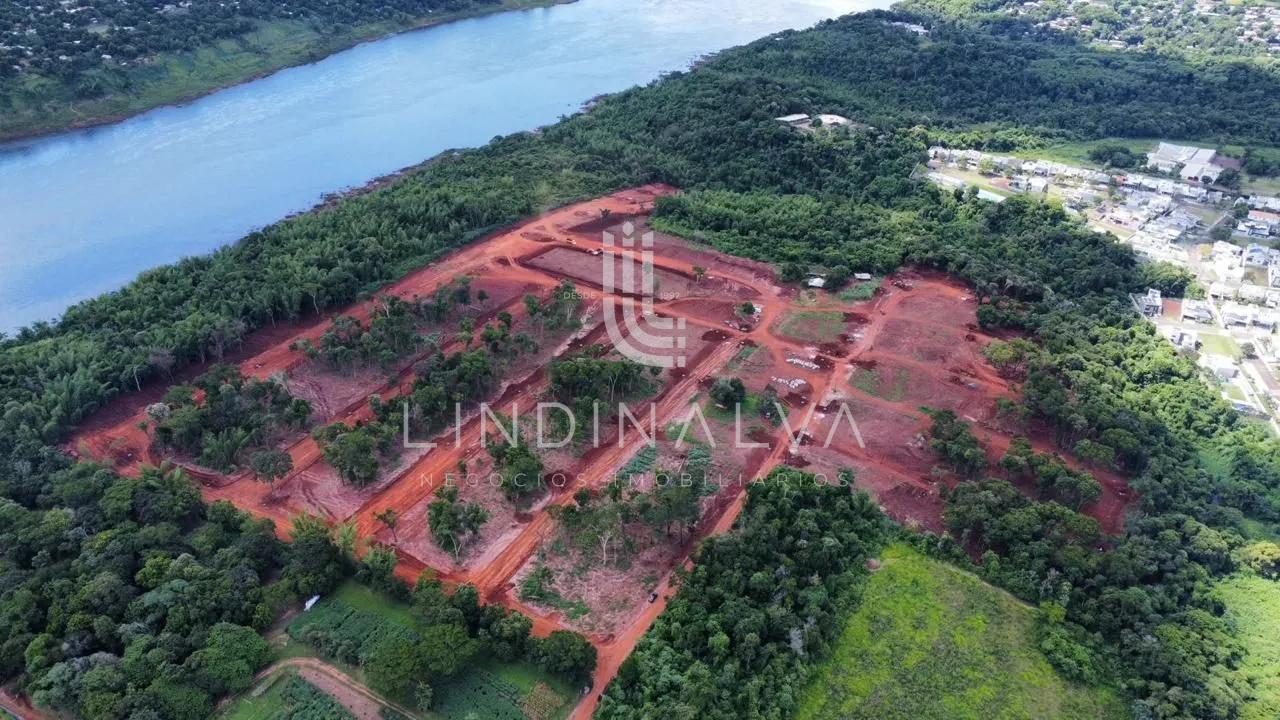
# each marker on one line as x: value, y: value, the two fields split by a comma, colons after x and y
x: 1253, y: 293
x: 1257, y: 255
x: 1197, y: 310
x: 1220, y: 291
x: 1223, y: 368
x: 1149, y: 304
x: 1236, y: 314
x: 799, y: 121
x: 1181, y: 339
x: 1196, y: 163
x: 1225, y: 249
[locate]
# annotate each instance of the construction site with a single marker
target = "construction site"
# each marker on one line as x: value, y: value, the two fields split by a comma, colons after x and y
x: 851, y: 376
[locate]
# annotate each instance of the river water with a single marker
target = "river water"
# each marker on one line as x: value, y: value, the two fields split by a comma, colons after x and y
x: 84, y: 212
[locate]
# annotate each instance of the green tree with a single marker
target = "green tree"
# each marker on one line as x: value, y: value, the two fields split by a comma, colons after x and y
x: 452, y: 522
x: 446, y: 649
x: 271, y: 465
x: 564, y: 653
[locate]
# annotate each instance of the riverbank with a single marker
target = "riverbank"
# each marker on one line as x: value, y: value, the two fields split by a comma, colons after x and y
x: 43, y: 107
x: 83, y: 212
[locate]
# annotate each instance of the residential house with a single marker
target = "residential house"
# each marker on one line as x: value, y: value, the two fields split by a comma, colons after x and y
x: 1257, y: 255
x: 1252, y: 293
x: 1226, y: 249
x: 1266, y: 219
x: 1223, y: 368
x: 1252, y: 229
x: 1181, y: 339
x: 1149, y: 304
x: 1197, y: 310
x: 1236, y: 314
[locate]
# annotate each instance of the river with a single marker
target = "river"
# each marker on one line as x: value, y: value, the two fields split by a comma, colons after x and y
x: 84, y: 212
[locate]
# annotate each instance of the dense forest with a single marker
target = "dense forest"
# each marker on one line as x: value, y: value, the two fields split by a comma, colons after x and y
x: 1138, y: 615
x: 82, y: 42
x: 131, y: 598
x: 71, y: 62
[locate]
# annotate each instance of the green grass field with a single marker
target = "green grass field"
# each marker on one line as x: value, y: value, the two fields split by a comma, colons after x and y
x: 268, y: 701
x: 361, y: 597
x: 930, y: 642
x: 813, y: 325
x: 871, y: 382
x: 860, y: 290
x: 285, y: 695
x: 1219, y: 345
x: 1253, y: 604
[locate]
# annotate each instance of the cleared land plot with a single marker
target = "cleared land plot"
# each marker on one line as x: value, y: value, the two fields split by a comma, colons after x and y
x: 900, y: 382
x: 817, y: 326
x: 923, y: 342
x: 604, y: 596
x: 1219, y: 345
x: 890, y: 436
x: 590, y: 269
x: 929, y: 641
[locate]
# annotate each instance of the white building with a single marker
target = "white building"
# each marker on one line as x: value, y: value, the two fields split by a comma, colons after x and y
x: 1236, y: 314
x: 1196, y: 163
x: 1181, y: 339
x: 1252, y: 293
x: 1223, y: 368
x: 796, y: 121
x: 1197, y: 310
x: 1149, y: 304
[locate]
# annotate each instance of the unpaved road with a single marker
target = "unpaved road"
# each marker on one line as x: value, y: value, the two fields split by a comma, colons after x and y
x: 354, y: 696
